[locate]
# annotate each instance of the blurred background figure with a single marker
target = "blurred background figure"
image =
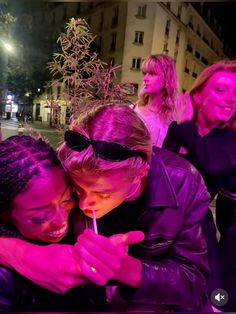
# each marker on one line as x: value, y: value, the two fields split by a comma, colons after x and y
x: 210, y: 141
x: 157, y: 97
x: 21, y: 129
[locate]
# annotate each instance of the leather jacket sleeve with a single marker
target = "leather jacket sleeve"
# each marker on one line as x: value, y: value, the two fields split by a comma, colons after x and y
x: 174, y: 257
x: 214, y: 154
x: 7, y: 289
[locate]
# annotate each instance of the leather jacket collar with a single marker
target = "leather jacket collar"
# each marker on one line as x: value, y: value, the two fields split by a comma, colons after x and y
x: 160, y: 192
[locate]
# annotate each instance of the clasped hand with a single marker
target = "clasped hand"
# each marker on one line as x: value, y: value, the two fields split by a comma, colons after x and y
x: 95, y: 258
x: 101, y: 259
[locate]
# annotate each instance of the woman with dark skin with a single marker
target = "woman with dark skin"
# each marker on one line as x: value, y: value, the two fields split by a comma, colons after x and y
x: 35, y: 203
x: 210, y: 142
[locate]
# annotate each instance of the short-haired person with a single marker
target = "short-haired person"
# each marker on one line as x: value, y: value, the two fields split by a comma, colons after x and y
x: 156, y: 104
x: 108, y: 155
x: 210, y: 141
x: 35, y: 203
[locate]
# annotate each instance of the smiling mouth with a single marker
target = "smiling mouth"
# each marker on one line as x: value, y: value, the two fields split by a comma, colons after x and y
x: 60, y: 232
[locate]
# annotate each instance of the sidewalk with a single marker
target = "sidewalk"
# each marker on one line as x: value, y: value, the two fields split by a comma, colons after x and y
x: 42, y: 125
x: 51, y: 133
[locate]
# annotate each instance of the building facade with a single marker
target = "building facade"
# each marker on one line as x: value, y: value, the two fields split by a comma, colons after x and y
x: 127, y: 32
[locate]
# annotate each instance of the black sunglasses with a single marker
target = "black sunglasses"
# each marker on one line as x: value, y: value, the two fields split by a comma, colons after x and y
x: 105, y: 150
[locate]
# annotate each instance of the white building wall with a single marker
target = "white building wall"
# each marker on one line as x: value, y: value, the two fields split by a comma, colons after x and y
x: 188, y: 63
x: 132, y: 50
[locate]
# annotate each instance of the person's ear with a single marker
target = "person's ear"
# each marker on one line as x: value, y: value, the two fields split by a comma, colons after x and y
x: 144, y: 170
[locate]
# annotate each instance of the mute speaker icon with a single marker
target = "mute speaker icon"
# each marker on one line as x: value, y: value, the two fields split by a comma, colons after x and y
x: 219, y: 297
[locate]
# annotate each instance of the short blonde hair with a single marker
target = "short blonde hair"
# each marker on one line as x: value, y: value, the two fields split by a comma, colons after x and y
x: 153, y: 64
x: 206, y: 74
x: 112, y: 123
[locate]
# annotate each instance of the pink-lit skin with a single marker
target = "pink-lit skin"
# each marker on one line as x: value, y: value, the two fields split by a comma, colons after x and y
x: 94, y: 249
x: 41, y: 211
x: 103, y: 192
x: 216, y: 100
x: 153, y: 83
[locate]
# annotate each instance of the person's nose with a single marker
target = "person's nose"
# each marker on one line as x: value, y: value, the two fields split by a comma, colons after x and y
x: 60, y: 217
x: 230, y: 97
x: 86, y: 201
x: 146, y: 77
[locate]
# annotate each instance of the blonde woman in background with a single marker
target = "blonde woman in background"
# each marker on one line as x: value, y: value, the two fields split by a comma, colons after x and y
x: 157, y: 97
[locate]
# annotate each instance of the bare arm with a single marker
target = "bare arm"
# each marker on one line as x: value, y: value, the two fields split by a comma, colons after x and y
x: 53, y: 267
x: 60, y: 267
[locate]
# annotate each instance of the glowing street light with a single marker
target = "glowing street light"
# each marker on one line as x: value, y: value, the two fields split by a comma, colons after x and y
x: 8, y: 47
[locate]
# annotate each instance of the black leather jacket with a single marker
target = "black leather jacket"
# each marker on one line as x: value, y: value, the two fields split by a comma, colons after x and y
x: 174, y: 252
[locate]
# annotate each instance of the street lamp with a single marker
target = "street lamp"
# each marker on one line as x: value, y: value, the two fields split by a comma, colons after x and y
x: 8, y: 47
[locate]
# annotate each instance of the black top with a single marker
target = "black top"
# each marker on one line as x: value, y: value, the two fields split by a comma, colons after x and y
x: 214, y: 154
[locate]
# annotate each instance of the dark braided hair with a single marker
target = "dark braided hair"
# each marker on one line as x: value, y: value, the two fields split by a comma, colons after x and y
x: 22, y: 158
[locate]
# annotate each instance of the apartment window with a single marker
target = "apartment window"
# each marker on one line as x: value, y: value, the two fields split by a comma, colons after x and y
x: 136, y: 63
x: 204, y: 38
x: 177, y: 37
x: 190, y: 23
x: 113, y: 42
x: 165, y: 47
x: 197, y: 54
x: 198, y: 31
x: 189, y: 47
x: 138, y: 37
x: 194, y: 73
x: 179, y: 11
x: 167, y: 30
x: 141, y: 11
x: 186, y: 69
x: 204, y: 60
x: 114, y: 21
x: 176, y: 54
